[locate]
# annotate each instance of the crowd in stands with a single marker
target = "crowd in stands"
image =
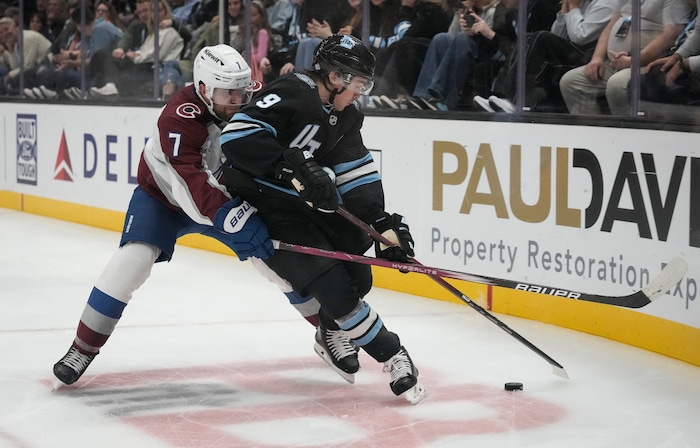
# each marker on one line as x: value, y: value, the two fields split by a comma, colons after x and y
x: 437, y: 55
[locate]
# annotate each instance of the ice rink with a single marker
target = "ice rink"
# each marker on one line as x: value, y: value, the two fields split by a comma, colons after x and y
x: 208, y: 354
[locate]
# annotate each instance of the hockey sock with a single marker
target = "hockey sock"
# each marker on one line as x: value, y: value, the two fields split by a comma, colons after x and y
x: 364, y: 326
x: 126, y: 271
x: 307, y: 306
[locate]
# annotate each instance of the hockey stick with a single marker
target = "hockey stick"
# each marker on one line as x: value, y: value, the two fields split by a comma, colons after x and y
x: 557, y: 368
x: 667, y: 278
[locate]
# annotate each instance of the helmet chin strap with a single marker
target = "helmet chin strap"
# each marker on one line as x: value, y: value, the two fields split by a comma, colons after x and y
x: 333, y: 91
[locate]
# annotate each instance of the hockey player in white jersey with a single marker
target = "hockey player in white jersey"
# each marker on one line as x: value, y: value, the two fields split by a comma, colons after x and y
x: 178, y: 193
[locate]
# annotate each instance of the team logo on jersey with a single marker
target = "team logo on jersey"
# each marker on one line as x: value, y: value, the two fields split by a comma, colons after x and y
x: 333, y: 120
x: 26, y: 149
x: 63, y: 169
x: 188, y: 110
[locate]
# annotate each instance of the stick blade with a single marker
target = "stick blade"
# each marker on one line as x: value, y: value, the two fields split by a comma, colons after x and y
x: 559, y: 371
x: 671, y: 274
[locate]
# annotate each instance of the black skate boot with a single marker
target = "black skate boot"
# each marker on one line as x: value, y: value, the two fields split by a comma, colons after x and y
x: 71, y: 367
x: 404, y: 377
x: 334, y: 347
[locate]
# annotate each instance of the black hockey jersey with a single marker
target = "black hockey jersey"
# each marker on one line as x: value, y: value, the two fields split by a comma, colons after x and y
x: 288, y: 113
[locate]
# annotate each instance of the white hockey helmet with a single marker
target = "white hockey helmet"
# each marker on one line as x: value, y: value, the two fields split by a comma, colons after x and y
x: 222, y: 67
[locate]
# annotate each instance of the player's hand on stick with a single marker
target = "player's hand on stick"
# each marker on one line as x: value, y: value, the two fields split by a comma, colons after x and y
x: 315, y: 184
x: 394, y: 228
x: 247, y: 233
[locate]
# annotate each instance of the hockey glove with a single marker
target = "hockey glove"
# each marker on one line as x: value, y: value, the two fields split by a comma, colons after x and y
x: 311, y: 180
x: 394, y: 228
x: 246, y: 231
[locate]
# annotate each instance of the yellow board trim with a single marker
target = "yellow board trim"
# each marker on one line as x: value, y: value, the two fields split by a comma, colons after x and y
x: 618, y: 324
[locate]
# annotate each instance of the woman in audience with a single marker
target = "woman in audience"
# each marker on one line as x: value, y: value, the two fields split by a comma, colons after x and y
x: 135, y: 70
x: 261, y: 42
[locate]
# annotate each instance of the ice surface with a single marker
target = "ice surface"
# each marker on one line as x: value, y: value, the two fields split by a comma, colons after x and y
x: 208, y: 354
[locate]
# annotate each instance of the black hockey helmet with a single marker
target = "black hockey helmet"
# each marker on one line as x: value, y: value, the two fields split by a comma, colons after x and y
x: 347, y: 54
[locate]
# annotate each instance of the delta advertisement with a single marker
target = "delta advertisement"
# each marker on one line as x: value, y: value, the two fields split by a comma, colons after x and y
x: 597, y: 210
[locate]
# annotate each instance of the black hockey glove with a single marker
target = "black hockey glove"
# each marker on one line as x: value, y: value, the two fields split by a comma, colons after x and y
x: 394, y: 228
x: 311, y: 180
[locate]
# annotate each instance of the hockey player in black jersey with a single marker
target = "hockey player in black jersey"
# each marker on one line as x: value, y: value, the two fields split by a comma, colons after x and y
x: 296, y: 154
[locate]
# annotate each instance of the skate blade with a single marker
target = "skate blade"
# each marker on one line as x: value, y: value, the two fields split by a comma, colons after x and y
x: 415, y: 394
x: 57, y: 384
x: 349, y: 377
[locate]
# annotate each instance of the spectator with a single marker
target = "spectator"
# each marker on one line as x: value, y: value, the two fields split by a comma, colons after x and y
x: 107, y: 12
x: 30, y: 7
x: 282, y: 55
x: 183, y: 11
x: 320, y: 20
x: 137, y: 31
x: 313, y: 21
x: 260, y: 39
x: 55, y: 18
x: 13, y: 13
x: 608, y: 72
x: 675, y: 79
x: 35, y: 50
x: 384, y: 22
x: 550, y: 54
x: 485, y: 35
x: 279, y: 14
x: 205, y: 13
x: 37, y: 22
x: 135, y: 70
x: 62, y: 73
x: 125, y: 12
x: 102, y: 34
x: 399, y: 64
x: 233, y: 26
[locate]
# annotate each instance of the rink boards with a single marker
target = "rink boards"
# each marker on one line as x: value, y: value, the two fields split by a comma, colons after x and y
x: 598, y: 210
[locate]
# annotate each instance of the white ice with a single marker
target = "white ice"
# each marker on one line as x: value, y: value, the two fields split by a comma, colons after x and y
x: 208, y: 354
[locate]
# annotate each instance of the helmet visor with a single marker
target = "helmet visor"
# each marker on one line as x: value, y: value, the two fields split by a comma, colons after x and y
x: 231, y: 97
x: 358, y: 84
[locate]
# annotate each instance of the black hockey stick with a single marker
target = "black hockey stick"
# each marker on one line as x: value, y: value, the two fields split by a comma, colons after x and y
x: 557, y: 368
x: 667, y: 278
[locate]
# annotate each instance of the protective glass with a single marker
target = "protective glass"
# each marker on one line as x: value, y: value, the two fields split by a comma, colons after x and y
x: 232, y: 97
x: 357, y: 84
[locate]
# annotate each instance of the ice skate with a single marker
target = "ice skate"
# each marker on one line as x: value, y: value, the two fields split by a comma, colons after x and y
x: 334, y: 347
x: 71, y: 367
x: 404, y: 377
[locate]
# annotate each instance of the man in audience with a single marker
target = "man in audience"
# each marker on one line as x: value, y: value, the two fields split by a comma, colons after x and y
x: 608, y: 72
x: 36, y: 48
x: 675, y: 79
x: 101, y: 35
x: 569, y: 44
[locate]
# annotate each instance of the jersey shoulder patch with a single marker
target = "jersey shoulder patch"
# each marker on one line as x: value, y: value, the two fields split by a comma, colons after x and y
x: 188, y: 110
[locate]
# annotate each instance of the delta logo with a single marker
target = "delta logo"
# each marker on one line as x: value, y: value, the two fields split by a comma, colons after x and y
x: 63, y: 169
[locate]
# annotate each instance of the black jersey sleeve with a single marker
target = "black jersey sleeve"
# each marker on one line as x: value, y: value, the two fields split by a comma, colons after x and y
x: 277, y: 119
x: 357, y: 175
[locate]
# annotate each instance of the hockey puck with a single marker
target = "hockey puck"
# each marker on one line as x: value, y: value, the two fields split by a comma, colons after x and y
x: 513, y: 386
